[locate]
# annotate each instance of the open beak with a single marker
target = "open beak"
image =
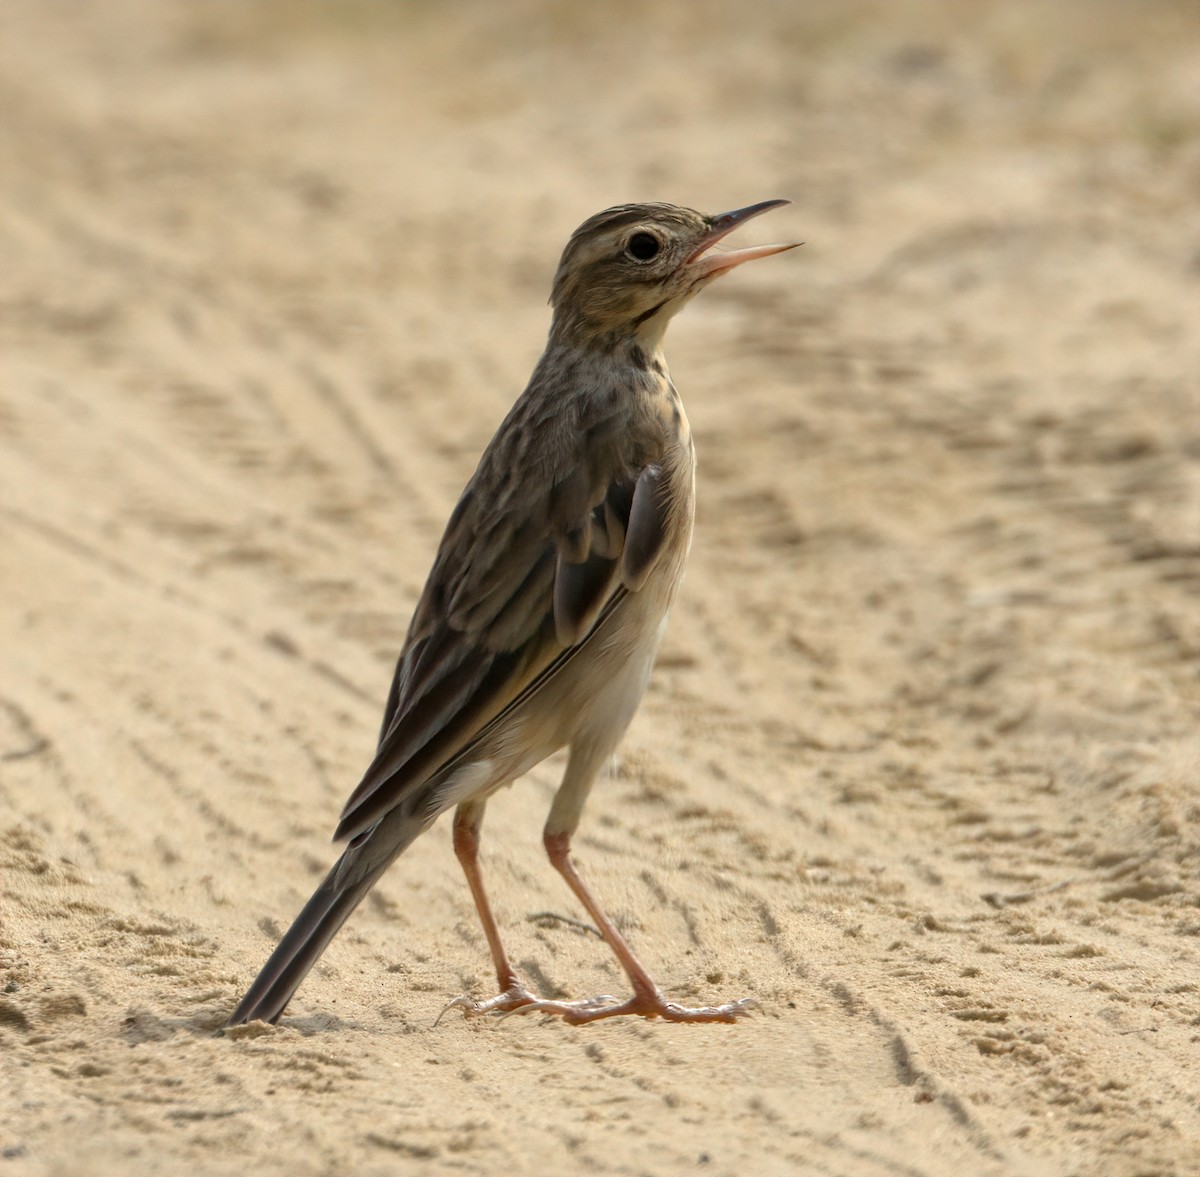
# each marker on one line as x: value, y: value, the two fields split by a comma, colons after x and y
x: 721, y: 226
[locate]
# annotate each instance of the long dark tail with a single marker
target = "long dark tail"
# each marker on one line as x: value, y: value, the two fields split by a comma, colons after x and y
x: 343, y: 889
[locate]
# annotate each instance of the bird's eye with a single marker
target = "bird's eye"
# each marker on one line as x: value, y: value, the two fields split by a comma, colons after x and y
x: 643, y: 246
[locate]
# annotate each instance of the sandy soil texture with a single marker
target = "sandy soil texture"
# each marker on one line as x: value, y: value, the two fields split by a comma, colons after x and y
x: 919, y: 767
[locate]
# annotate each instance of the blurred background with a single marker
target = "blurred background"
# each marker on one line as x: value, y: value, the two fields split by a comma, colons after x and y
x: 918, y: 765
x: 399, y: 177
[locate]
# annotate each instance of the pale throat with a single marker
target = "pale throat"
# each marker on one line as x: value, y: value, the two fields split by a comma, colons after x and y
x: 649, y: 334
x: 649, y: 331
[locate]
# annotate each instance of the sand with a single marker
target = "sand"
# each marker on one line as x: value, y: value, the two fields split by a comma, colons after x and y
x: 918, y: 768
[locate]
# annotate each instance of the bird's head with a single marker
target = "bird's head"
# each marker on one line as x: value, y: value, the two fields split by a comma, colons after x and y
x: 627, y: 270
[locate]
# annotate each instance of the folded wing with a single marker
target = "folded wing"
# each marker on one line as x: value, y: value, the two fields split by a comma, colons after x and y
x: 517, y: 591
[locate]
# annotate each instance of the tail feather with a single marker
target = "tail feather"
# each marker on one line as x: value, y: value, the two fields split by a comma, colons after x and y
x: 342, y: 890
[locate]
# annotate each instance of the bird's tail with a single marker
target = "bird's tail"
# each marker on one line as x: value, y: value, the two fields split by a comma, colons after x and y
x: 342, y: 890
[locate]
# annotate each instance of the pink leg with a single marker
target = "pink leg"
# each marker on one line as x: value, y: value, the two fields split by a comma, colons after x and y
x: 513, y: 995
x: 647, y: 1000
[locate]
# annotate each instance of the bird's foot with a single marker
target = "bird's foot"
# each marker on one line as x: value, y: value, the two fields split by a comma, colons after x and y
x: 650, y: 1004
x: 514, y: 998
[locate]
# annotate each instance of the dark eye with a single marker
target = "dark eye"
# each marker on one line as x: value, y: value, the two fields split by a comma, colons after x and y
x: 643, y: 246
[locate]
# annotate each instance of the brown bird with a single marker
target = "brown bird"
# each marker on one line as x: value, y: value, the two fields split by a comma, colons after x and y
x: 542, y: 614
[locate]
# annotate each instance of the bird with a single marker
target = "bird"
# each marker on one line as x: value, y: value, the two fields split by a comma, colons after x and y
x: 540, y: 620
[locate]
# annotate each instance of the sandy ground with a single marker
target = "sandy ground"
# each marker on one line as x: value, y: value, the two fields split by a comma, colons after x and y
x: 918, y: 769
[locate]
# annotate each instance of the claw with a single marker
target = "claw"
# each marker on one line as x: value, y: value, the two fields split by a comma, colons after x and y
x: 462, y: 1001
x: 510, y: 1001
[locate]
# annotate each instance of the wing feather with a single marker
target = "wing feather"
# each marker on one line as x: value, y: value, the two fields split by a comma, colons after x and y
x: 646, y: 529
x: 513, y: 597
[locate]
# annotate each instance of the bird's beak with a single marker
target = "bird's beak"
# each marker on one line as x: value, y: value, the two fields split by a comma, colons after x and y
x: 721, y: 226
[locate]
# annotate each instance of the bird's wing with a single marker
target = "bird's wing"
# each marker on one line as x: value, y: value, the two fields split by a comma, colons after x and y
x: 520, y: 583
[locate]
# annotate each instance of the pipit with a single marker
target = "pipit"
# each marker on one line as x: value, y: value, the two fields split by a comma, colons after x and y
x: 539, y: 622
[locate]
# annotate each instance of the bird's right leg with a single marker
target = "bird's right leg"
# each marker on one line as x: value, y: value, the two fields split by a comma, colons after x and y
x: 468, y: 818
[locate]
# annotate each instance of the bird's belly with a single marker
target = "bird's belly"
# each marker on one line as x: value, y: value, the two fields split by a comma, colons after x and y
x: 592, y: 699
x: 598, y: 692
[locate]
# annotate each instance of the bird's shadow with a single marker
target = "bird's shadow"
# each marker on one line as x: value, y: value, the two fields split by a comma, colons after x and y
x: 143, y: 1025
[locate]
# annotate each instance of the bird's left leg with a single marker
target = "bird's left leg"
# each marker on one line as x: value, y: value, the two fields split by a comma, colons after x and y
x: 468, y: 818
x: 647, y: 1000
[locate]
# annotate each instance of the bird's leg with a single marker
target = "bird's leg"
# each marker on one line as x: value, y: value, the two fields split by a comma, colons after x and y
x: 513, y: 995
x: 647, y: 1000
